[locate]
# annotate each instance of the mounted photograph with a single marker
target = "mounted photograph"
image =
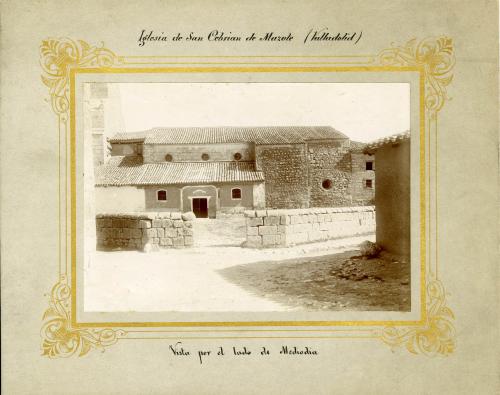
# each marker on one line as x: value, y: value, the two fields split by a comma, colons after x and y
x: 246, y: 197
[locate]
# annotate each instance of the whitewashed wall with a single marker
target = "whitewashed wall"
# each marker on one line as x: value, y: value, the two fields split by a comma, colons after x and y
x: 111, y: 200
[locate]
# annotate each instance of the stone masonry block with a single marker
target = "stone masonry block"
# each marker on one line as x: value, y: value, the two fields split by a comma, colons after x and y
x: 160, y: 232
x: 254, y: 241
x: 270, y: 240
x: 143, y: 223
x: 165, y: 241
x: 268, y: 230
x: 170, y: 232
x: 166, y: 223
x: 260, y: 213
x: 178, y: 223
x: 176, y: 216
x: 150, y: 232
x: 156, y: 223
x: 254, y: 221
x: 252, y: 230
x: 271, y: 220
x: 284, y: 219
x: 189, y: 216
x: 249, y: 213
x: 178, y: 241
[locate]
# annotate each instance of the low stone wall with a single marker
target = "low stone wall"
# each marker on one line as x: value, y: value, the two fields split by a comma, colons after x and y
x: 144, y: 232
x: 282, y: 228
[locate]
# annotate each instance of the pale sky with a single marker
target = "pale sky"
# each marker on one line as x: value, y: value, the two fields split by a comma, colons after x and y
x: 363, y: 111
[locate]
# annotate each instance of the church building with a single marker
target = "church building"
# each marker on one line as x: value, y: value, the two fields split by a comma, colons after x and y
x: 216, y: 170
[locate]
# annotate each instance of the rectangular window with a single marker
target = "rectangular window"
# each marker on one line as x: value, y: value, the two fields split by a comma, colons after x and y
x: 369, y: 183
x: 161, y: 195
x: 369, y: 165
x: 236, y: 193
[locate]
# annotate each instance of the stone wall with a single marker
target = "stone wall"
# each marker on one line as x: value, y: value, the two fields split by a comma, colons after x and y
x: 361, y: 193
x: 144, y: 232
x: 283, y: 228
x: 329, y: 161
x: 285, y: 171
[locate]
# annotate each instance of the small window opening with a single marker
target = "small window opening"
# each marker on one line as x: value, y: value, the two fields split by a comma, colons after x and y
x: 205, y: 157
x: 236, y: 193
x: 161, y: 195
x: 369, y: 165
x: 327, y: 184
x: 169, y: 158
x: 369, y: 183
x: 237, y: 156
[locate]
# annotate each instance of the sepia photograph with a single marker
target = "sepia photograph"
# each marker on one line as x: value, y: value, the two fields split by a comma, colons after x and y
x: 247, y: 197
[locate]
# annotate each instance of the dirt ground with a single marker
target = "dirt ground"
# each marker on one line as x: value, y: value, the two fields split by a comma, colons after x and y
x: 217, y: 274
x: 192, y: 279
x: 221, y: 232
x: 344, y: 281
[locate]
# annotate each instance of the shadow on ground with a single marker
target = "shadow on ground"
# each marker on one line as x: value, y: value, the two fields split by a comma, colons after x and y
x: 344, y: 281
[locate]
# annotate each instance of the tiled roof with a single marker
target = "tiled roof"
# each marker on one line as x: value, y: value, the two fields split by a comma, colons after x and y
x: 119, y: 170
x: 128, y: 137
x: 393, y: 139
x: 126, y: 170
x: 357, y: 146
x: 232, y: 134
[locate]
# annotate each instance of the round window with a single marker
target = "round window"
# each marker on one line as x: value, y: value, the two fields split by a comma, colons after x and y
x: 205, y: 157
x: 237, y: 156
x: 327, y: 184
x: 169, y: 158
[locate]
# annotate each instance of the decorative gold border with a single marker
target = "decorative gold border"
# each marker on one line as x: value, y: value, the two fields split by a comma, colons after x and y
x: 433, y: 58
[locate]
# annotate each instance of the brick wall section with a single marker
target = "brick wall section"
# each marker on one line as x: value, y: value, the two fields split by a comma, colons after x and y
x: 332, y: 161
x: 282, y: 228
x: 144, y: 232
x: 285, y: 171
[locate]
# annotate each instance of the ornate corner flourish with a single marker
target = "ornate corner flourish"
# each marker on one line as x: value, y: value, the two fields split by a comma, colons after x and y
x: 436, y: 336
x: 59, y: 339
x: 436, y: 56
x: 59, y: 56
